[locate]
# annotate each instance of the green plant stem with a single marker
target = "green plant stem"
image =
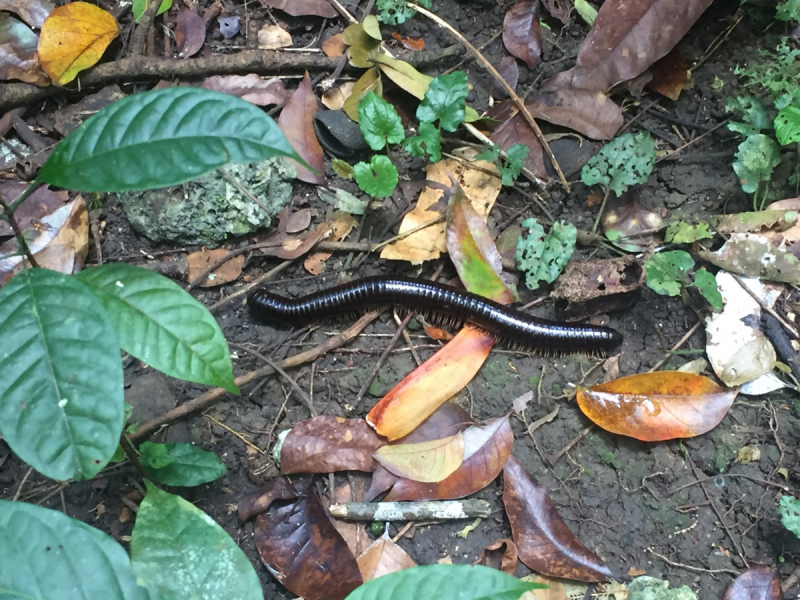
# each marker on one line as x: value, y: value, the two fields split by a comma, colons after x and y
x: 25, y: 193
x: 133, y: 457
x: 8, y: 212
x: 602, y: 208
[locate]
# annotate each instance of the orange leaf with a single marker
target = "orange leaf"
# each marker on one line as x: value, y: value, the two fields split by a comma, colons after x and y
x: 426, y: 461
x: 439, y: 378
x: 670, y: 74
x: 409, y: 42
x: 224, y: 273
x: 73, y: 38
x: 653, y: 407
x: 334, y: 45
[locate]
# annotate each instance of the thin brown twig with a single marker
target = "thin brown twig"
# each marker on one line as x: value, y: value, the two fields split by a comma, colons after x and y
x: 22, y: 484
x: 689, y: 567
x: 680, y: 343
x: 555, y: 457
x: 711, y: 478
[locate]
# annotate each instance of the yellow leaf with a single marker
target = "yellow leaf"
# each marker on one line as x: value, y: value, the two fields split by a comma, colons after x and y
x: 404, y: 75
x: 428, y: 462
x: 73, y: 38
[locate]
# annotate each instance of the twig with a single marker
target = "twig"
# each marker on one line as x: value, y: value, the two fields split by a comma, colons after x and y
x: 408, y: 511
x: 22, y: 484
x: 519, y: 102
x: 133, y: 458
x: 680, y: 343
x: 213, y: 395
x: 690, y: 142
x: 554, y: 458
x: 257, y: 281
x: 143, y: 28
x: 689, y: 567
x: 241, y: 436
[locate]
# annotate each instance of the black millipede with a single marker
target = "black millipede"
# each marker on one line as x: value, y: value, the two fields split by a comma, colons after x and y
x: 442, y: 305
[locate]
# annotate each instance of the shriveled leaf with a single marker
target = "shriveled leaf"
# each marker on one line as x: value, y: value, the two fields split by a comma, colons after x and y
x: 326, y: 444
x: 383, y: 557
x: 181, y: 465
x: 501, y: 555
x: 261, y: 91
x: 544, y: 542
x: 438, y: 379
x: 18, y: 52
x: 409, y: 43
x: 522, y: 32
x: 159, y: 323
x: 428, y: 462
x: 297, y: 123
x: 404, y: 75
x: 489, y: 448
x: 272, y: 37
x: 163, y: 138
x: 61, y: 395
x: 669, y: 74
x: 757, y: 583
x: 303, y: 550
x: 225, y: 273
x: 444, y: 582
x: 33, y: 12
x: 73, y: 38
x: 657, y: 406
x: 626, y: 161
x: 181, y: 552
x: 48, y: 556
x: 368, y: 82
x: 559, y: 9
x: 625, y: 220
x: 626, y: 38
x: 190, y: 33
x: 379, y: 122
x: 34, y: 208
x: 302, y: 8
x: 591, y: 113
x: 473, y: 252
x: 335, y: 98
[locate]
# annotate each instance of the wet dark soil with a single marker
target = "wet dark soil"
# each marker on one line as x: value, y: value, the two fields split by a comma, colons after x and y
x: 684, y: 511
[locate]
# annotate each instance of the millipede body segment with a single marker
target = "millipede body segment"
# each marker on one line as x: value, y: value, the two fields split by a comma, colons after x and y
x: 440, y: 304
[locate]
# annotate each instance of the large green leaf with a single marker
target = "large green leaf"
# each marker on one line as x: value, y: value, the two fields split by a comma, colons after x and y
x: 180, y: 552
x: 162, y: 138
x: 61, y: 395
x: 45, y: 555
x: 161, y: 324
x: 444, y: 582
x: 182, y: 465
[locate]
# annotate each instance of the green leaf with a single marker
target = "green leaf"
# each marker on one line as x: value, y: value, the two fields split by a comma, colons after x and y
x: 343, y: 169
x: 491, y: 153
x: 181, y: 465
x: 509, y: 171
x: 379, y: 122
x: 788, y: 11
x: 787, y: 125
x: 789, y: 510
x: 428, y: 140
x: 543, y: 257
x: 162, y: 325
x: 587, y: 12
x: 444, y: 582
x: 755, y: 114
x: 706, y: 283
x: 444, y: 100
x: 46, y: 555
x: 757, y: 156
x: 61, y: 394
x: 624, y: 162
x: 139, y: 6
x: 378, y: 177
x: 666, y: 271
x: 181, y: 552
x: 161, y: 138
x: 685, y: 233
x: 397, y: 12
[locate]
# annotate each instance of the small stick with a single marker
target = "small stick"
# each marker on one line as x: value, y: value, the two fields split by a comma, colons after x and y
x: 8, y: 213
x: 689, y: 567
x: 680, y: 343
x: 554, y: 458
x: 411, y: 511
x: 711, y: 478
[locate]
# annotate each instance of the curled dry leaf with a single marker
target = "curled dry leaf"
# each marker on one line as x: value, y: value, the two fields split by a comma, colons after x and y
x: 302, y: 8
x: 302, y: 549
x: 272, y: 37
x: 326, y: 444
x: 758, y: 583
x: 669, y: 74
x: 297, y: 123
x: 261, y: 91
x: 408, y: 42
x: 625, y: 220
x: 225, y: 273
x: 190, y: 33
x: 39, y: 204
x: 591, y: 113
x: 383, y: 557
x: 500, y: 555
x: 560, y: 9
x: 18, y: 52
x: 627, y: 37
x: 598, y: 286
x: 426, y: 388
x: 277, y: 488
x: 486, y: 451
x: 342, y: 225
x: 544, y: 542
x: 335, y: 98
x: 522, y: 32
x: 73, y: 38
x: 33, y: 12
x: 658, y: 406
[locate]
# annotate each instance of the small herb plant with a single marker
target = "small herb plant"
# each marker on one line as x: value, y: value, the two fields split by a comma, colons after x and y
x: 397, y: 12
x: 543, y: 256
x: 667, y: 274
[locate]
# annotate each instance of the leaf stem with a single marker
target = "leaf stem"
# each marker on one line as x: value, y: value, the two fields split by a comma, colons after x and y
x: 8, y: 213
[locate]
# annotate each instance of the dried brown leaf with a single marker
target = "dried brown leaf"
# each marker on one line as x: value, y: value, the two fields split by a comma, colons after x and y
x: 383, y: 557
x: 301, y: 8
x: 297, y: 123
x: 509, y: 71
x: 225, y: 273
x: 500, y: 555
x: 190, y: 33
x: 560, y: 9
x: 261, y: 91
x: 41, y: 203
x: 334, y: 45
x: 277, y: 488
x: 33, y: 12
x: 669, y: 74
x: 758, y: 583
x: 353, y: 532
x: 272, y: 37
x: 522, y: 32
x: 591, y: 113
x: 19, y: 58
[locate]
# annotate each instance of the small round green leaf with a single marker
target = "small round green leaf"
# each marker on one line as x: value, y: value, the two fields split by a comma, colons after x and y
x: 181, y: 465
x: 162, y: 325
x: 179, y: 551
x: 61, y: 394
x: 444, y: 582
x: 378, y: 177
x: 666, y: 271
x: 161, y: 138
x: 379, y: 122
x: 756, y: 158
x: 45, y: 555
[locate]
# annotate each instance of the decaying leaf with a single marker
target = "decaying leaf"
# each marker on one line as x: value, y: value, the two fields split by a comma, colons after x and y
x: 297, y: 123
x: 509, y: 71
x: 658, y: 406
x: 277, y: 488
x: 272, y: 37
x: 408, y: 42
x: 301, y: 8
x: 190, y: 33
x: 754, y: 255
x: 303, y: 550
x: 261, y: 91
x: 628, y: 224
x: 383, y: 557
x: 598, y: 286
x: 33, y: 12
x: 522, y: 32
x: 335, y: 98
x: 225, y: 273
x: 325, y: 444
x: 544, y: 542
x: 36, y: 206
x: 669, y: 74
x: 591, y: 113
x: 757, y: 583
x: 334, y: 45
x: 73, y: 38
x: 500, y: 555
x: 353, y: 532
x: 559, y: 9
x: 18, y: 52
x: 343, y: 224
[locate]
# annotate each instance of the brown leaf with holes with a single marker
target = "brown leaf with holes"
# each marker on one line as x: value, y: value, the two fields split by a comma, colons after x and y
x: 297, y: 123
x: 326, y: 444
x: 302, y: 8
x: 261, y: 91
x: 225, y: 273
x: 593, y: 114
x: 669, y: 74
x: 303, y: 550
x: 560, y: 9
x: 758, y: 583
x: 522, y: 32
x: 627, y: 37
x: 383, y: 557
x: 500, y: 555
x: 190, y: 33
x: 545, y: 543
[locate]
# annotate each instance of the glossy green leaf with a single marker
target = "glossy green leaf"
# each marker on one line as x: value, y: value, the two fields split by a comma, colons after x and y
x: 181, y: 465
x: 46, y: 555
x: 378, y: 177
x: 787, y: 125
x: 444, y: 582
x: 428, y: 140
x: 543, y: 256
x: 180, y: 552
x: 444, y: 100
x: 61, y: 395
x: 623, y: 162
x: 706, y: 284
x: 162, y: 138
x: 379, y: 122
x: 666, y: 271
x: 756, y: 158
x: 162, y: 325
